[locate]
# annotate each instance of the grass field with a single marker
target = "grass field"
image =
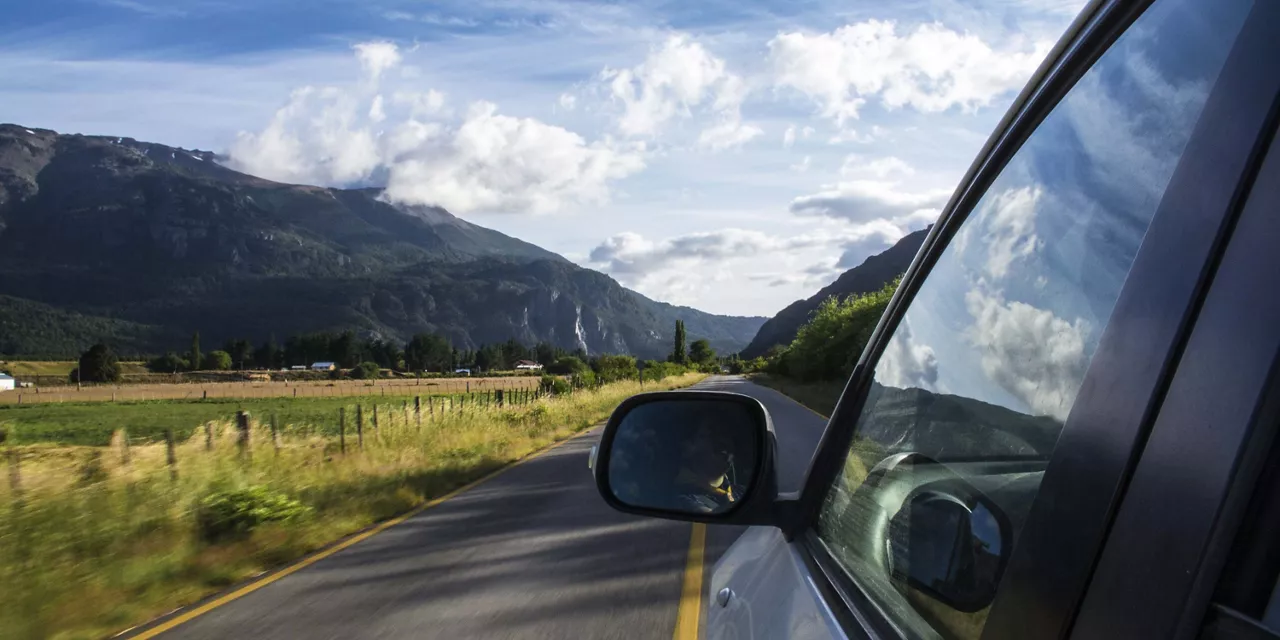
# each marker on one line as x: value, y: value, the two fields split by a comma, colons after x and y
x: 96, y: 539
x: 92, y: 423
x: 19, y: 368
x: 299, y: 389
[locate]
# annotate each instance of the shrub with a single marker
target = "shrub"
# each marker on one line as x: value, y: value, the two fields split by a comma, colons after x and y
x: 218, y: 360
x: 828, y: 345
x: 234, y: 513
x: 567, y: 366
x: 167, y: 363
x: 612, y: 368
x: 98, y: 364
x: 366, y: 371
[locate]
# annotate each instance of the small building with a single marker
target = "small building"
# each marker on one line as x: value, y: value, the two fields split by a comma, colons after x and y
x: 7, y: 382
x: 323, y: 366
x: 527, y: 365
x: 296, y: 367
x: 462, y: 372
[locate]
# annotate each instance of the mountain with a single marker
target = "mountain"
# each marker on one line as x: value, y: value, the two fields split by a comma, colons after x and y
x: 104, y: 237
x: 871, y: 275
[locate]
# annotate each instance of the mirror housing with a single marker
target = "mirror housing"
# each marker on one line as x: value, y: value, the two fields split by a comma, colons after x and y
x: 697, y: 456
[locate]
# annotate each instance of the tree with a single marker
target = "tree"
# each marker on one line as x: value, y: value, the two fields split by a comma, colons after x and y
x: 193, y: 356
x: 167, y: 363
x: 98, y: 364
x: 241, y: 352
x: 567, y: 365
x: 616, y: 367
x: 268, y: 355
x: 827, y: 347
x: 701, y: 353
x: 343, y: 350
x: 428, y: 351
x: 218, y: 360
x: 366, y: 371
x: 678, y: 355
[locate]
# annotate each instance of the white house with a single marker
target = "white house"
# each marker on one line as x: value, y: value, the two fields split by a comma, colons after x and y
x: 323, y: 366
x: 6, y: 382
x: 527, y: 365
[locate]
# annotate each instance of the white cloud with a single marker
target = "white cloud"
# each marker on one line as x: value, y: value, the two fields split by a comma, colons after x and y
x: 675, y: 80
x: 487, y: 162
x: 376, y: 57
x: 855, y: 165
x: 568, y: 101
x: 930, y: 69
x: 789, y: 137
x: 867, y: 200
x: 802, y: 166
x: 494, y: 162
x: 907, y: 363
x: 806, y: 132
x: 1006, y: 221
x: 1030, y: 352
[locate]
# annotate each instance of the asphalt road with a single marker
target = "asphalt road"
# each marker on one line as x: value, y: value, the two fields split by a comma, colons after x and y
x: 531, y: 553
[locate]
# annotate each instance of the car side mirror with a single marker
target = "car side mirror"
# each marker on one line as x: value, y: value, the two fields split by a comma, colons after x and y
x: 703, y: 456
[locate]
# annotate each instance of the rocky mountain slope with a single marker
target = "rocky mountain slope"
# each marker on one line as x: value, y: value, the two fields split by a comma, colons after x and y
x: 153, y: 242
x: 872, y: 274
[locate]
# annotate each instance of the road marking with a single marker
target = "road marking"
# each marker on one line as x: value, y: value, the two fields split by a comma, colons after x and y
x: 314, y: 558
x: 691, y: 592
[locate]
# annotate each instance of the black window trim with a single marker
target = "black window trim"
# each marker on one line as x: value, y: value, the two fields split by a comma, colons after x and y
x: 1154, y: 579
x: 1044, y: 605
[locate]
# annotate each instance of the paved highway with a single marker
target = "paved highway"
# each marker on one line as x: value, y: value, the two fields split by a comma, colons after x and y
x: 531, y: 553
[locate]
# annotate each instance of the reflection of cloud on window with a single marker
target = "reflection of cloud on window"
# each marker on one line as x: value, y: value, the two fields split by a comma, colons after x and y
x: 907, y: 363
x: 1030, y: 352
x: 1134, y: 128
x: 1006, y: 221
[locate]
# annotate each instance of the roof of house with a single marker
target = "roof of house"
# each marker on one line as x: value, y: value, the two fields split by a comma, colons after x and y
x: 322, y: 364
x: 520, y: 362
x: 5, y: 376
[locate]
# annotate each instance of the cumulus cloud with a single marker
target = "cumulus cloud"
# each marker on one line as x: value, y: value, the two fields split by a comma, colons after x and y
x: 931, y: 68
x: 631, y: 253
x: 377, y: 57
x: 678, y: 78
x: 907, y: 363
x: 868, y: 200
x: 1033, y: 354
x: 484, y: 161
x: 494, y: 162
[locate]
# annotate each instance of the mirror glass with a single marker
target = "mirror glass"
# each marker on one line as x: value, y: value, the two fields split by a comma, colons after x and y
x: 685, y: 456
x: 950, y: 549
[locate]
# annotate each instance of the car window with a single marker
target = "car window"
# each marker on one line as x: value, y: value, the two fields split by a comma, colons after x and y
x: 975, y: 384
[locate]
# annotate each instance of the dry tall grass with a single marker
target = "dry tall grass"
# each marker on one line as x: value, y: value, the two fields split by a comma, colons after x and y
x: 91, y: 543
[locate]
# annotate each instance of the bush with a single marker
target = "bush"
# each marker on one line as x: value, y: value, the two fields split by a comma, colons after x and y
x: 827, y: 347
x: 218, y: 360
x: 98, y: 364
x: 567, y: 366
x: 366, y: 371
x: 234, y: 513
x: 555, y: 385
x: 611, y: 368
x: 167, y: 363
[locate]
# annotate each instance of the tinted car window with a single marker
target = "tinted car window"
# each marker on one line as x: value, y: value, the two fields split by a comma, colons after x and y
x: 973, y: 389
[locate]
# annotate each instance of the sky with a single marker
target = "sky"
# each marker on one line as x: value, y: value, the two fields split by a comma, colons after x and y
x: 732, y: 156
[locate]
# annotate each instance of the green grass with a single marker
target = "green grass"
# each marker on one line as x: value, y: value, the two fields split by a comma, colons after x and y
x: 92, y: 423
x: 93, y: 544
x: 21, y: 368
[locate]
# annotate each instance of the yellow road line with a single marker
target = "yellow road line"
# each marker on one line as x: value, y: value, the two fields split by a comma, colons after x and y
x: 691, y: 592
x: 312, y: 559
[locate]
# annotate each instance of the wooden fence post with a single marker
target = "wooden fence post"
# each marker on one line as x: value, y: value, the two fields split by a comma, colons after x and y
x: 342, y: 430
x: 208, y: 436
x: 242, y: 435
x: 171, y: 454
x: 375, y: 417
x: 275, y: 434
x: 498, y: 395
x: 15, y: 474
x: 124, y: 446
x: 360, y: 427
x: 417, y: 409
x: 468, y: 386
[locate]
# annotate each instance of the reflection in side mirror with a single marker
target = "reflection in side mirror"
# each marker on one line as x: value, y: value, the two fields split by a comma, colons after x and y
x: 951, y: 548
x: 682, y: 454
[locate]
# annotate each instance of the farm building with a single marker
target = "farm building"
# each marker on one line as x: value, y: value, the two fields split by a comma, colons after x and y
x: 6, y: 382
x: 323, y: 366
x: 527, y: 365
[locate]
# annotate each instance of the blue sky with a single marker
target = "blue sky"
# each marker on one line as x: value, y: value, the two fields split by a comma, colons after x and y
x: 733, y: 156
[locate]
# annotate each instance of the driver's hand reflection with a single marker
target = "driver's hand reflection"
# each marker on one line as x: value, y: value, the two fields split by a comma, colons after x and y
x: 705, y: 476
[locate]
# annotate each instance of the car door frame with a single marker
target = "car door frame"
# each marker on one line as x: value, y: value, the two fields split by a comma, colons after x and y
x: 1052, y: 563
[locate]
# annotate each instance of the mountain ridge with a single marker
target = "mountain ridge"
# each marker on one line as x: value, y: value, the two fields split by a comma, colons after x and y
x: 167, y: 239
